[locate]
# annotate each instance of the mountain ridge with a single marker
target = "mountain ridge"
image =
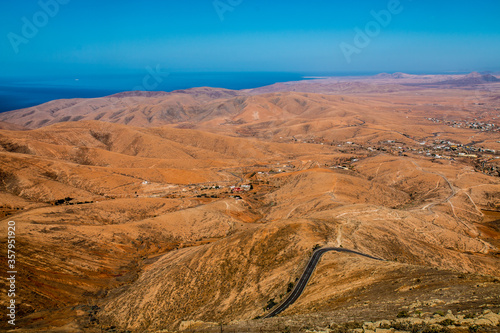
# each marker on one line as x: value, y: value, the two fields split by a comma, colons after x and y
x: 205, y: 209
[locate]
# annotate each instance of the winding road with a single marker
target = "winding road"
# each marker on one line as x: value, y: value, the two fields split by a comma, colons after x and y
x: 304, y: 279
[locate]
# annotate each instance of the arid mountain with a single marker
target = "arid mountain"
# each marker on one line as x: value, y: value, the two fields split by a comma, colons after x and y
x: 216, y: 109
x: 12, y: 127
x: 397, y: 75
x: 204, y: 207
x: 469, y: 80
x: 130, y: 108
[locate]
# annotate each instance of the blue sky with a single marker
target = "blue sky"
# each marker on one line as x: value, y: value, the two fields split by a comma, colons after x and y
x: 101, y: 37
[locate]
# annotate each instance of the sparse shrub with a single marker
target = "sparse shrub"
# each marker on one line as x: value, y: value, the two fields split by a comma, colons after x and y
x: 63, y: 201
x: 346, y: 327
x: 447, y: 322
x: 403, y: 314
x: 439, y: 312
x: 270, y: 304
x: 473, y: 328
x: 402, y: 326
x: 434, y: 329
x: 385, y: 326
x: 424, y: 328
x: 290, y: 287
x: 353, y: 325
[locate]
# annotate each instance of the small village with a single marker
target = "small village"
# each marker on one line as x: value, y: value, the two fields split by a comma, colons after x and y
x: 259, y: 178
x: 475, y: 124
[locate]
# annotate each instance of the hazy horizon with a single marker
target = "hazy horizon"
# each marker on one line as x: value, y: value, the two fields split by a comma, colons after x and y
x: 55, y: 49
x: 23, y: 92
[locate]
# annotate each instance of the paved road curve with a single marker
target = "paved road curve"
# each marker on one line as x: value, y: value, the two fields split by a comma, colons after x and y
x: 304, y: 279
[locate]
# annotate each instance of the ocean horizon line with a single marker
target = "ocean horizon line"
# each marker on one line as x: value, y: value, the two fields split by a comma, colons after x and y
x: 27, y: 92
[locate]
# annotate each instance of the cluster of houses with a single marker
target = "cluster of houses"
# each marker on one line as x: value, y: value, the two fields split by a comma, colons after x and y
x: 477, y: 125
x: 242, y: 188
x: 444, y: 149
x: 438, y: 148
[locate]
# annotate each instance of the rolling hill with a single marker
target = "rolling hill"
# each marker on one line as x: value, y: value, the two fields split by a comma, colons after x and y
x: 198, y: 209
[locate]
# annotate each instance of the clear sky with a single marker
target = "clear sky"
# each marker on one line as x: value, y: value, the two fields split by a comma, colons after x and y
x: 315, y: 36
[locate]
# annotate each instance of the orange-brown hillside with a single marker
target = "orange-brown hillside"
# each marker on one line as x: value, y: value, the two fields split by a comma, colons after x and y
x: 175, y: 211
